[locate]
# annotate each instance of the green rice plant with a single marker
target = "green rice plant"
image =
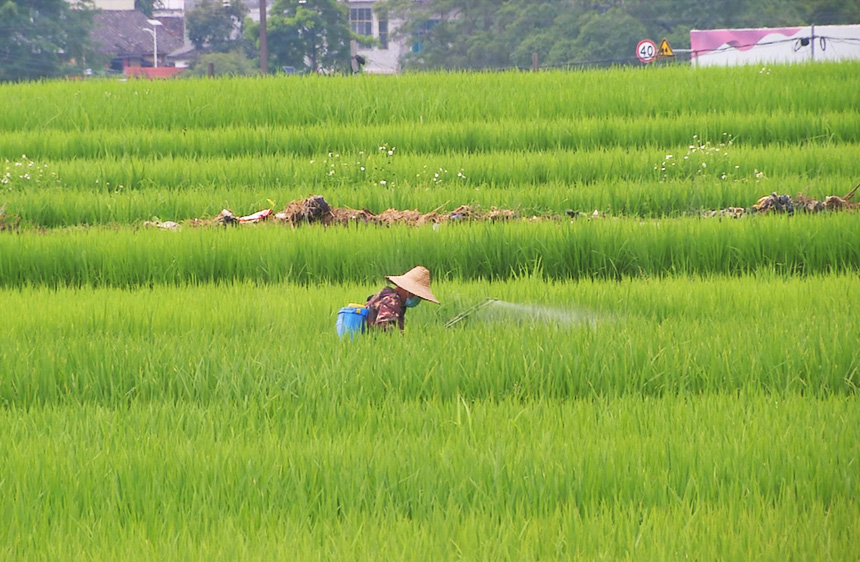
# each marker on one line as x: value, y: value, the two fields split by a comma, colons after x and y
x: 428, y: 98
x: 465, y: 136
x: 633, y: 478
x: 638, y: 388
x: 496, y: 169
x: 541, y: 341
x: 615, y: 181
x: 574, y: 249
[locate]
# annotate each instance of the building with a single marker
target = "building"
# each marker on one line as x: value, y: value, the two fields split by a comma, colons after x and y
x: 119, y: 33
x: 383, y: 55
x: 130, y: 39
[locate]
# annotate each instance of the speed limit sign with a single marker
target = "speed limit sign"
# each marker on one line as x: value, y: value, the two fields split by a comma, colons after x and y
x: 646, y: 51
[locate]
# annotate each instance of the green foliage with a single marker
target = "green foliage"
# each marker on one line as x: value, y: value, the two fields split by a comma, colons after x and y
x: 313, y: 35
x: 216, y: 26
x: 48, y: 38
x: 505, y: 33
x: 607, y: 37
x: 833, y: 12
x: 146, y: 6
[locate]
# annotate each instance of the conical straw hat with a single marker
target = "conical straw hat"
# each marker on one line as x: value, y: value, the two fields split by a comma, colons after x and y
x: 416, y: 281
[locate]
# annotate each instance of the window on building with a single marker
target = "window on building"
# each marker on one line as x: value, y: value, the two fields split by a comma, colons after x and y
x: 361, y: 21
x: 383, y: 34
x: 418, y: 45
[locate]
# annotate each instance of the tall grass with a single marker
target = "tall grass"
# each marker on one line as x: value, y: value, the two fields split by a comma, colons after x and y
x: 428, y: 98
x: 644, y: 182
x: 632, y: 478
x: 496, y: 169
x: 642, y: 388
x: 610, y: 249
x: 58, y: 207
x: 555, y: 341
x: 464, y: 136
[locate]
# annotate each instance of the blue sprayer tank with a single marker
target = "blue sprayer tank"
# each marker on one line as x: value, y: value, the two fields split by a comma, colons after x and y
x: 351, y: 320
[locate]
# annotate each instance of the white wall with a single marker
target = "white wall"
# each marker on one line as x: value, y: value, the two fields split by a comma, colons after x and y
x: 115, y: 4
x: 383, y: 61
x: 786, y: 45
x: 380, y: 61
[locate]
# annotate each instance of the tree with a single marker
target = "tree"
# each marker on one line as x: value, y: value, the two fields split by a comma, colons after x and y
x: 312, y: 35
x: 451, y: 33
x: 42, y: 38
x: 604, y: 38
x: 214, y: 25
x: 146, y: 6
x: 501, y: 33
x: 484, y: 33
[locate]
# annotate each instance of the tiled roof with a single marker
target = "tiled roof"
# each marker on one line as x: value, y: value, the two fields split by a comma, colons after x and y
x: 120, y: 33
x: 174, y: 25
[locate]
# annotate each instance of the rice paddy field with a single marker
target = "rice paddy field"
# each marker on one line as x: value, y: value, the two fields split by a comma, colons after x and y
x: 646, y: 384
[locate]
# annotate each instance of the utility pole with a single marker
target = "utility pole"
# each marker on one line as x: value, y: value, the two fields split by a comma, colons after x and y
x: 812, y: 41
x: 264, y: 45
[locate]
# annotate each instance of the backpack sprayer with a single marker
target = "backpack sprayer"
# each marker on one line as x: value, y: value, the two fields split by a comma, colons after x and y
x: 470, y: 311
x: 351, y: 320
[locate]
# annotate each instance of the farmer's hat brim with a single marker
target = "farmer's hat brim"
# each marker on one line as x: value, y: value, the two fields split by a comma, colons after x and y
x: 416, y: 281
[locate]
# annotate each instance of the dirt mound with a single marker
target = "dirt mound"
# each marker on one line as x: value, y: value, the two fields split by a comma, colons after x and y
x: 775, y: 203
x: 313, y: 209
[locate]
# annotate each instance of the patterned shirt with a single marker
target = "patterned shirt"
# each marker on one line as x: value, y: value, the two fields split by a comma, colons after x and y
x: 386, y: 309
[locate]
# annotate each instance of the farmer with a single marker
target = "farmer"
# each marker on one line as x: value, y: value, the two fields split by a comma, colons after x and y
x: 388, y: 306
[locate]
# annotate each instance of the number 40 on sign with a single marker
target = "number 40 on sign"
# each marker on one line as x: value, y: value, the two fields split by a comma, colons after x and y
x: 647, y: 51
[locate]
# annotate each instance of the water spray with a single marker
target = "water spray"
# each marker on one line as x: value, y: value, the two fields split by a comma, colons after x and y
x: 495, y: 309
x: 469, y: 311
